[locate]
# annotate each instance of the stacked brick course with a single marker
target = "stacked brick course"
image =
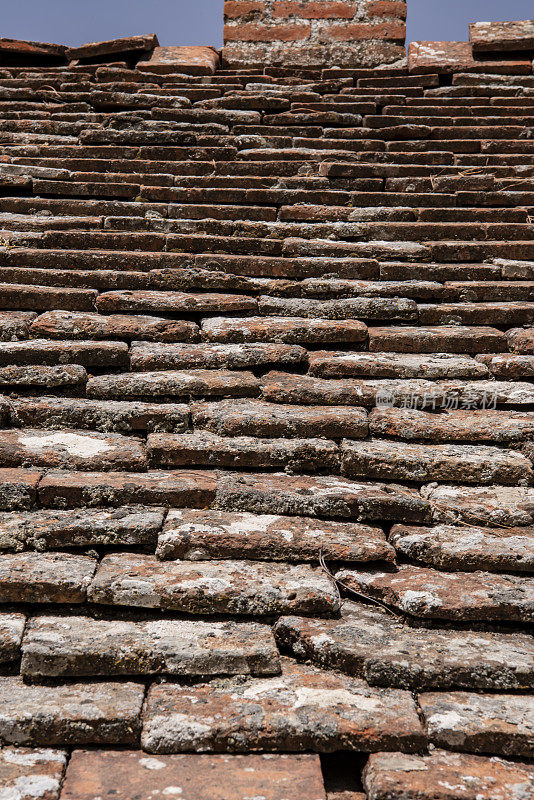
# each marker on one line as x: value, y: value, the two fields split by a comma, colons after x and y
x: 299, y: 32
x: 266, y: 426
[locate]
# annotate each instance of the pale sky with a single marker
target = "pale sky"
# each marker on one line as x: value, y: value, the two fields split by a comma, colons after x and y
x: 74, y: 22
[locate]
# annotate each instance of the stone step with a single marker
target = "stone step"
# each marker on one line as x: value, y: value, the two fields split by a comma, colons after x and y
x: 80, y: 646
x: 495, y: 506
x: 212, y: 587
x: 343, y: 364
x: 198, y: 535
x: 11, y: 630
x: 369, y: 643
x: 175, y: 303
x: 446, y: 339
x: 70, y: 714
x: 20, y: 766
x: 303, y: 709
x: 458, y: 596
x: 281, y: 387
x: 202, y: 776
x: 467, y: 547
x: 288, y: 330
x: 69, y: 377
x: 501, y: 724
x: 476, y: 777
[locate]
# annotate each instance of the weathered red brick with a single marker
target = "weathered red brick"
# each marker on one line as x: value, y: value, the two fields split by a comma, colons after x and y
x: 173, y: 488
x: 406, y: 777
x: 197, y: 535
x: 70, y: 714
x: 129, y: 775
x: 304, y: 708
x: 79, y: 646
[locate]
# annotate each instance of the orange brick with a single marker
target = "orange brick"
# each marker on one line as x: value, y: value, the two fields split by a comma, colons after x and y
x: 387, y: 8
x: 239, y: 8
x: 384, y: 30
x: 262, y: 33
x: 314, y: 10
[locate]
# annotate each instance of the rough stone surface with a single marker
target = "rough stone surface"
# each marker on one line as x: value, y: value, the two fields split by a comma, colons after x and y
x: 200, y: 535
x: 445, y: 776
x: 372, y: 644
x: 77, y: 646
x: 212, y: 587
x: 304, y: 708
x: 422, y: 462
x: 500, y: 724
x: 129, y: 775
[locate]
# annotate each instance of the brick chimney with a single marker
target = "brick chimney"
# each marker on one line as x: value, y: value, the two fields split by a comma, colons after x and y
x: 344, y: 33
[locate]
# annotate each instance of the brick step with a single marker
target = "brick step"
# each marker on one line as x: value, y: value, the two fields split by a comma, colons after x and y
x: 415, y: 393
x: 370, y: 643
x: 192, y: 535
x: 240, y: 417
x: 205, y: 449
x: 89, y: 647
x: 493, y: 778
x: 177, y: 303
x: 100, y: 415
x: 486, y: 425
x: 61, y: 324
x: 393, y: 723
x: 467, y: 548
x: 251, y: 775
x: 421, y: 463
x: 342, y: 364
x: 71, y: 713
x: 88, y: 353
x: 212, y: 587
x: 174, y: 383
x: 498, y: 313
x: 127, y: 526
x: 428, y: 594
x: 42, y: 298
x: 497, y: 506
x: 71, y: 450
x: 363, y: 267
x: 287, y: 330
x: 158, y: 356
x: 372, y: 308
